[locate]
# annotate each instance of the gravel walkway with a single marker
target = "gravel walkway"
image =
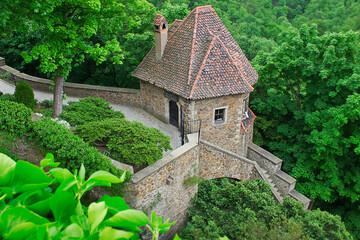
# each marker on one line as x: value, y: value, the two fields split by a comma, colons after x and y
x: 131, y: 113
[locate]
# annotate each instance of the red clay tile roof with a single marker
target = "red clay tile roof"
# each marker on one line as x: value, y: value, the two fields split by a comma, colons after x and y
x: 174, y: 26
x: 159, y: 19
x: 201, y: 60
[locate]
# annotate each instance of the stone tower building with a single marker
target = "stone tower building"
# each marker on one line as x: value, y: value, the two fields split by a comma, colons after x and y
x: 195, y: 71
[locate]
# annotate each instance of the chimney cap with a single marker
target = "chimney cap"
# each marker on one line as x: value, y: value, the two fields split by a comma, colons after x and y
x: 160, y: 19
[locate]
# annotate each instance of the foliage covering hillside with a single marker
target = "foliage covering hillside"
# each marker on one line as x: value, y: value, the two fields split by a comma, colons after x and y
x: 247, y: 210
x: 307, y: 97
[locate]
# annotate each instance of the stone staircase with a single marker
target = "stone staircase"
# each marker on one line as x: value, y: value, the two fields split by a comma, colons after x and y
x: 272, y: 184
x: 281, y: 183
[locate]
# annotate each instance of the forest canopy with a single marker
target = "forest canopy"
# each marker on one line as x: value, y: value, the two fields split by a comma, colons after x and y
x: 306, y: 101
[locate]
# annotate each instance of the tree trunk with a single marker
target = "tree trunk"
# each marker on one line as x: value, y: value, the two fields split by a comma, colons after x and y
x: 58, y: 95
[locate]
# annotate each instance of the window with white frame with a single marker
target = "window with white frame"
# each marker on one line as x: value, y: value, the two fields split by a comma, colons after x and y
x: 220, y: 115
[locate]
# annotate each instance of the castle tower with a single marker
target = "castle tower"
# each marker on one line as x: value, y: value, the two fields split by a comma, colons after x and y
x: 198, y: 71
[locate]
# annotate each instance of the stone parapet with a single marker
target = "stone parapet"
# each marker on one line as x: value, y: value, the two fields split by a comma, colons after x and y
x: 233, y: 162
x: 2, y: 61
x: 284, y: 182
x: 111, y: 94
x: 298, y: 196
x: 265, y: 159
x: 160, y: 187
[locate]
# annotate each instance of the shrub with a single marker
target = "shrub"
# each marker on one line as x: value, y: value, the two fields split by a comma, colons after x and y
x: 47, y: 103
x: 129, y: 142
x: 14, y: 117
x: 247, y: 210
x: 24, y: 94
x: 7, y: 142
x: 8, y: 97
x: 70, y: 149
x: 88, y: 110
x: 32, y: 207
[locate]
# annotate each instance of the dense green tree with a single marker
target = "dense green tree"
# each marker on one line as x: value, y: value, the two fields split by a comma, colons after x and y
x: 67, y: 26
x: 16, y: 42
x: 308, y: 102
x: 247, y: 210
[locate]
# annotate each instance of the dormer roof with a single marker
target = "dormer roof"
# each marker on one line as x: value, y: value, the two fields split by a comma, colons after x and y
x: 201, y: 59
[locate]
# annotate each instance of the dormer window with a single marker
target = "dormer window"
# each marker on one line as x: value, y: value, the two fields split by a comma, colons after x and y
x: 220, y: 115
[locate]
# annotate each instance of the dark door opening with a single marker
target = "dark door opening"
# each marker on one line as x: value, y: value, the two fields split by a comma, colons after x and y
x: 174, y: 113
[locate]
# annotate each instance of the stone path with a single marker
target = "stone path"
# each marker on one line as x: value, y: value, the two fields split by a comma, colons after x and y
x: 131, y: 113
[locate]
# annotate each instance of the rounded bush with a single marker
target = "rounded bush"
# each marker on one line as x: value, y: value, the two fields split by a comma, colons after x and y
x: 24, y: 94
x: 14, y: 117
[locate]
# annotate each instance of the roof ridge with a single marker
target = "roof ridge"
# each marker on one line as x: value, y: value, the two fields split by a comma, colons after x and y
x: 202, y: 65
x: 182, y: 22
x: 193, y: 45
x: 232, y: 60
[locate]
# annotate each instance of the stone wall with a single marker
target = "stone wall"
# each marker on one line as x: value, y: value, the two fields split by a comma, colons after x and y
x: 265, y: 159
x: 219, y: 164
x: 111, y: 94
x: 226, y: 135
x: 160, y: 187
x: 154, y: 101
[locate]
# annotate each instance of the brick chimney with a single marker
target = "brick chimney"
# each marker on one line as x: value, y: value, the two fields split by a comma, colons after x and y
x: 161, y: 34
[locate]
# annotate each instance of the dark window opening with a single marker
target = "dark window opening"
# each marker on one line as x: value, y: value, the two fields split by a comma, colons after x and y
x: 164, y: 26
x: 219, y: 116
x: 157, y: 27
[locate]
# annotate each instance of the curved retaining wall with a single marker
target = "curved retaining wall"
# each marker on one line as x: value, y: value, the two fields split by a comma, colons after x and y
x: 112, y: 94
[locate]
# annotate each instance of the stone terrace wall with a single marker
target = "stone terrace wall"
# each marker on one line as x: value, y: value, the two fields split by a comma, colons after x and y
x: 154, y: 101
x: 160, y: 187
x: 111, y: 94
x: 215, y: 163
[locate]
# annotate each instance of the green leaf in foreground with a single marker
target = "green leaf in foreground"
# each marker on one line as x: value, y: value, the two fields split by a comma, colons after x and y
x: 29, y: 177
x: 129, y: 220
x: 7, y: 166
x: 19, y: 223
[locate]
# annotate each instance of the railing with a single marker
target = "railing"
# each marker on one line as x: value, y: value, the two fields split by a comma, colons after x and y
x: 188, y: 127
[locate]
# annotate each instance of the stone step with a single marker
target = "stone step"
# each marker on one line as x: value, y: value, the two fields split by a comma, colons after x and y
x: 270, y: 181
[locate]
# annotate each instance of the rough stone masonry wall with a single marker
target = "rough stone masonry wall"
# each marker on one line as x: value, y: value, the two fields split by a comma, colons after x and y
x: 214, y: 163
x: 154, y: 100
x: 160, y: 187
x: 225, y: 135
x: 111, y: 94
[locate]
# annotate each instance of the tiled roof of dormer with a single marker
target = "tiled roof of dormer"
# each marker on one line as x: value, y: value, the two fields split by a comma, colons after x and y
x: 201, y: 59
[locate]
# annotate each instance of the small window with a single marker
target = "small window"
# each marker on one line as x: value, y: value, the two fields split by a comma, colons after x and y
x: 219, y: 116
x: 164, y: 26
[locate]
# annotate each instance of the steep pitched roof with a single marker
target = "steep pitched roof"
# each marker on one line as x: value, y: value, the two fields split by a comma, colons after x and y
x: 201, y: 60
